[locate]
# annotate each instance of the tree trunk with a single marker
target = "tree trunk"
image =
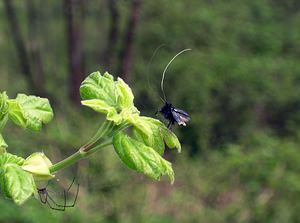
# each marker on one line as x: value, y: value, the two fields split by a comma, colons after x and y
x: 125, y: 54
x: 113, y: 33
x: 37, y: 67
x: 20, y: 45
x: 74, y: 17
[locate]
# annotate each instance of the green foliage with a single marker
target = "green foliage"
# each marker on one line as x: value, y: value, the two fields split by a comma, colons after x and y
x: 251, y: 182
x: 241, y: 79
x: 16, y: 174
x: 30, y: 111
x: 103, y: 94
x: 142, y: 158
x: 8, y: 158
x: 115, y: 99
x: 100, y: 87
x: 16, y: 183
x: 3, y: 110
x: 155, y: 134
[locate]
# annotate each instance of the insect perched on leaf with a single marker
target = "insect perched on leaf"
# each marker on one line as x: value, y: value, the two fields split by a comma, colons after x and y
x: 172, y: 114
x: 45, y: 198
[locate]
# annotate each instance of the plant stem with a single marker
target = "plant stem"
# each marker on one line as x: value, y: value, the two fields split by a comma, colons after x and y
x: 66, y: 162
x: 96, y: 148
x: 105, y: 132
x: 80, y: 154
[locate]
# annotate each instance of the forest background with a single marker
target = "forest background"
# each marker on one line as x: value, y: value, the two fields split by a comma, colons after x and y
x: 240, y: 84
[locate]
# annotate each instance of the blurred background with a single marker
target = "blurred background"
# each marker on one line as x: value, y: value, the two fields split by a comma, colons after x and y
x: 240, y: 84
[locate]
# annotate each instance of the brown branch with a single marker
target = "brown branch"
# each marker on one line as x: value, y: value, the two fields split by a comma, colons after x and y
x: 19, y: 43
x: 75, y: 49
x: 34, y: 50
x: 113, y: 33
x: 125, y: 54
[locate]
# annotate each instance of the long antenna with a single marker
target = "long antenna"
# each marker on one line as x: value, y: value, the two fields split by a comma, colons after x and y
x: 163, y: 75
x: 148, y: 65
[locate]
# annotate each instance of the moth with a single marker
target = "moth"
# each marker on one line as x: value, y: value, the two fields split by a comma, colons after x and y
x: 169, y: 112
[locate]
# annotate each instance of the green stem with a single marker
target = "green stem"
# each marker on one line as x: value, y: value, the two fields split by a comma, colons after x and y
x: 66, y: 162
x: 80, y: 154
x: 96, y: 148
x: 104, y: 134
x: 105, y: 131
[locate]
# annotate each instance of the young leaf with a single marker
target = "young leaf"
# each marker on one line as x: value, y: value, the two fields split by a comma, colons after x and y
x: 102, y: 107
x: 16, y: 113
x: 104, y: 95
x: 96, y: 86
x: 3, y: 122
x: 7, y: 158
x: 38, y: 165
x: 148, y: 133
x: 125, y: 96
x: 3, y: 110
x: 3, y: 145
x: 16, y: 183
x: 3, y: 104
x: 154, y: 134
x: 142, y: 158
x: 170, y: 138
x: 30, y: 111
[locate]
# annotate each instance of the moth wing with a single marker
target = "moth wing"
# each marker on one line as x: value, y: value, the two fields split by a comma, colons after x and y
x: 181, y: 112
x: 180, y: 116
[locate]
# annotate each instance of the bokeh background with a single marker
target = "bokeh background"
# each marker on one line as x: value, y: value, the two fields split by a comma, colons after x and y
x: 240, y: 84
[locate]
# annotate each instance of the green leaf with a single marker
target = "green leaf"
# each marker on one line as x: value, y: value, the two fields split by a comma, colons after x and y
x: 16, y: 113
x: 7, y: 158
x: 96, y: 86
x: 104, y: 95
x: 170, y: 138
x: 16, y: 183
x: 148, y: 132
x: 125, y: 95
x: 102, y: 107
x: 38, y: 165
x: 3, y: 110
x: 142, y: 158
x: 3, y: 104
x: 3, y: 145
x: 154, y: 134
x: 30, y: 111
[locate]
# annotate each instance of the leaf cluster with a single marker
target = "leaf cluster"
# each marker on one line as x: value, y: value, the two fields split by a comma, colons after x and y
x: 142, y: 149
x: 138, y: 141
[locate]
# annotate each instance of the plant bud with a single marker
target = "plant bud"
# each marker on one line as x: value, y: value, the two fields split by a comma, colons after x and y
x: 38, y: 165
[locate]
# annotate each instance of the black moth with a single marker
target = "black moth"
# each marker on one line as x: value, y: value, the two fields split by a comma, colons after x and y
x: 172, y: 114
